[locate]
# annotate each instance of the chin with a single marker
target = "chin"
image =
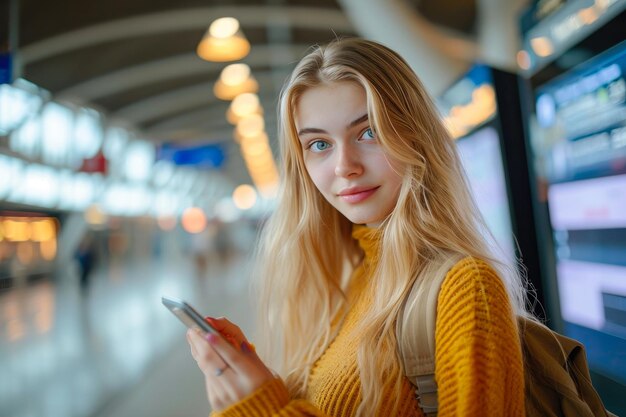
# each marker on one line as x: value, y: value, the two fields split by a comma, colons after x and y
x: 364, y: 219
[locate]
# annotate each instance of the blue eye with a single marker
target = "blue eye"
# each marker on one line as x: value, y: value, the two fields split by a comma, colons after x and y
x: 368, y: 134
x: 319, y: 146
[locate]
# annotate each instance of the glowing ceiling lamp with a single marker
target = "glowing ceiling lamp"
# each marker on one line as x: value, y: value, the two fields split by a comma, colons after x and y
x: 223, y: 42
x: 235, y: 79
x: 251, y: 125
x: 243, y: 105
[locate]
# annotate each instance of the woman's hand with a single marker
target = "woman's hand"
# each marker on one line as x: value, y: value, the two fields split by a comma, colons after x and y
x: 231, y: 368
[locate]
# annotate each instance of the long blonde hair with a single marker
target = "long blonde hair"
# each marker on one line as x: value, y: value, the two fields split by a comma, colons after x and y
x: 307, y: 251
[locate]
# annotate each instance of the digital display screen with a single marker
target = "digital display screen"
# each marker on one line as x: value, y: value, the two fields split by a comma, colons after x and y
x: 482, y: 160
x: 579, y: 142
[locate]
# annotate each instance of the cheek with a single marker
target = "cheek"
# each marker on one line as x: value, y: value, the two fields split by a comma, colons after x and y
x: 394, y: 170
x: 319, y: 175
x: 392, y: 173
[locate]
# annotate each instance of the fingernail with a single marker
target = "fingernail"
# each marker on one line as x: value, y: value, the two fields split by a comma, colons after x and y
x: 245, y: 348
x: 211, y: 338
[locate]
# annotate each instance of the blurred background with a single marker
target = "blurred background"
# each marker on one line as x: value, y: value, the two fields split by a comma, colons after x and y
x: 138, y: 158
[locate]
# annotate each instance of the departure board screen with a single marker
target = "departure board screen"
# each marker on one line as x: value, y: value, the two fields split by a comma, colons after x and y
x: 579, y: 141
x: 481, y: 156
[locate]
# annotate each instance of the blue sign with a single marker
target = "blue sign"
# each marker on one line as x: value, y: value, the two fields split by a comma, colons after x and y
x: 204, y: 156
x: 6, y: 76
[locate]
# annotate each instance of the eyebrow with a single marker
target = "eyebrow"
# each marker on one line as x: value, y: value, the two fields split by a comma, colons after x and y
x: 353, y: 123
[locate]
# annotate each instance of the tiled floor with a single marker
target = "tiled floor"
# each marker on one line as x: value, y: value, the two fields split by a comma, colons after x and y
x: 112, y: 350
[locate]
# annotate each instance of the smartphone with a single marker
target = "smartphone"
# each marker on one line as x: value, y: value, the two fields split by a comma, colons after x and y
x: 188, y: 315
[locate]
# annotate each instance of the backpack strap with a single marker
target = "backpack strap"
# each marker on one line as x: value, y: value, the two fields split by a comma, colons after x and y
x: 415, y: 331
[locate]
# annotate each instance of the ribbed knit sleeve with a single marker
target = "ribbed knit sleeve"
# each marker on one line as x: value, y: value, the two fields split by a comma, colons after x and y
x: 271, y: 399
x: 479, y: 368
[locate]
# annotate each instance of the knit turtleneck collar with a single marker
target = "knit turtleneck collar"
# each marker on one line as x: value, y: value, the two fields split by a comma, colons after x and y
x: 369, y: 240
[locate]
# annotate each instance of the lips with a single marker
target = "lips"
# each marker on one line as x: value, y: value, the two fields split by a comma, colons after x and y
x: 356, y: 194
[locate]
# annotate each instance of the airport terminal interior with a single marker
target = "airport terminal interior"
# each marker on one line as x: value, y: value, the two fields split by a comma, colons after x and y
x: 139, y: 158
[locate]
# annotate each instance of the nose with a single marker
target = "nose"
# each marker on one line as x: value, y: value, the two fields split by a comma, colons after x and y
x: 348, y: 162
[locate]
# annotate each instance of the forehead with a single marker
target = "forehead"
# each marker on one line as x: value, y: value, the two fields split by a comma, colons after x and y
x: 330, y: 104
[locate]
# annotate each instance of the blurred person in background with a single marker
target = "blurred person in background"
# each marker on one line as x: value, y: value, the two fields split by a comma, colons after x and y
x: 86, y: 259
x: 373, y: 198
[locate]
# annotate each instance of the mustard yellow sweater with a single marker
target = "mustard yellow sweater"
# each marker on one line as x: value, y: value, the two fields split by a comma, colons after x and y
x: 478, y: 364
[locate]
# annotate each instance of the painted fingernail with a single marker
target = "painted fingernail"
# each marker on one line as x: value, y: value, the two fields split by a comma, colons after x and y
x: 245, y: 348
x: 211, y: 338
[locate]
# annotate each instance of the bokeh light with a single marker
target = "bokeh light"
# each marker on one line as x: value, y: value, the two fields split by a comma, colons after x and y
x: 193, y: 220
x: 244, y: 197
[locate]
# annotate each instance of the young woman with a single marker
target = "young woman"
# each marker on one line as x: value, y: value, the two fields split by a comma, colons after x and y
x: 372, y: 194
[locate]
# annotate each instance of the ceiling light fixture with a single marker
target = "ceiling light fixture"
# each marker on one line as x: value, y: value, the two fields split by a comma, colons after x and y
x: 251, y: 125
x: 235, y: 79
x: 242, y: 106
x: 223, y: 42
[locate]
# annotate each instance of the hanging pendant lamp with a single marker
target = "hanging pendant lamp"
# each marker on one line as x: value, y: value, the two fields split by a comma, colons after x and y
x: 223, y: 41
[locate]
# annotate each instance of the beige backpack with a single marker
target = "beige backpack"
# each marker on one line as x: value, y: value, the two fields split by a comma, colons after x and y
x: 557, y: 377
